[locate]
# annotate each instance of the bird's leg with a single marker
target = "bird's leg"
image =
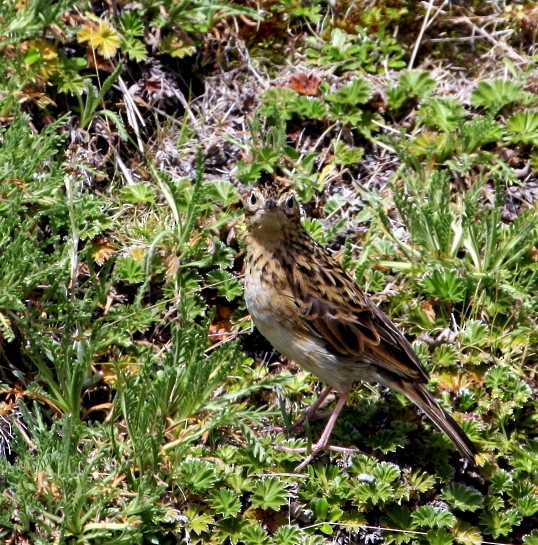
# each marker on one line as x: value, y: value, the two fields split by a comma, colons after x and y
x: 310, y: 414
x: 323, y: 442
x: 324, y: 439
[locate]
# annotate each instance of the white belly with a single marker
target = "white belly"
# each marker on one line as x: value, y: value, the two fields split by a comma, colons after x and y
x: 306, y: 350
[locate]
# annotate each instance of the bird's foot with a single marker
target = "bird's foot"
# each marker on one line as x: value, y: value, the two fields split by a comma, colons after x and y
x: 300, y: 425
x: 316, y: 449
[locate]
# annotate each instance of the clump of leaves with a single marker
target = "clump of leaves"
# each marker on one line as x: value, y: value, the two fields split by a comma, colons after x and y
x: 342, y: 105
x: 413, y: 85
x: 496, y: 94
x: 30, y: 182
x: 445, y: 232
x: 347, y: 52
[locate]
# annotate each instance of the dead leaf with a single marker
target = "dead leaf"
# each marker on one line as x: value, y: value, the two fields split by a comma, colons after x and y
x: 102, y: 251
x: 305, y: 84
x: 429, y: 311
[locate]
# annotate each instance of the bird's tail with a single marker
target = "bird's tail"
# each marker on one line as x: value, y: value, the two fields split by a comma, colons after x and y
x: 418, y: 394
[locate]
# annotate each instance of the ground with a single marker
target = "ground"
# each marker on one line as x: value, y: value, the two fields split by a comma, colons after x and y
x: 136, y: 403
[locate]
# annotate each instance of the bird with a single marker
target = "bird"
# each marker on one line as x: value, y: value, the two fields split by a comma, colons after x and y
x: 313, y: 312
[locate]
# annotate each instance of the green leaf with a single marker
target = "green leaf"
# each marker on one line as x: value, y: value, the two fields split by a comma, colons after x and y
x: 232, y: 529
x: 139, y: 194
x: 386, y: 440
x: 478, y: 132
x: 439, y: 536
x: 225, y: 283
x: 420, y: 481
x: 386, y: 472
x: 527, y: 506
x: 135, y: 49
x: 357, y: 92
x: 211, y: 252
x: 531, y: 539
x: 497, y: 377
x: 225, y: 502
x: 433, y: 517
x: 198, y: 522
x: 494, y: 95
x: 198, y: 475
x: 446, y: 114
x: 346, y: 155
x: 373, y: 493
x: 399, y: 517
x: 418, y: 83
x: 445, y: 355
x: 463, y: 497
x: 309, y: 108
x: 445, y: 284
x: 474, y: 332
x: 254, y: 535
x: 339, y: 38
x: 499, y: 524
x: 320, y: 508
x: 270, y: 493
x: 131, y: 24
x: 221, y: 191
x: 524, y: 128
x: 130, y: 270
x: 315, y: 229
x: 256, y: 450
x: 288, y: 535
x: 527, y: 458
x: 426, y: 212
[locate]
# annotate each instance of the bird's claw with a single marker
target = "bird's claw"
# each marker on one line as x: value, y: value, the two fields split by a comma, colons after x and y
x: 316, y: 449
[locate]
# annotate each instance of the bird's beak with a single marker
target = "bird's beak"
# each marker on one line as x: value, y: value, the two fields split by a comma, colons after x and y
x: 270, y: 204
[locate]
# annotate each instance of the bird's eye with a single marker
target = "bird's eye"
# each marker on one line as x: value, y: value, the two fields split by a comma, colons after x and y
x: 253, y: 199
x: 290, y: 203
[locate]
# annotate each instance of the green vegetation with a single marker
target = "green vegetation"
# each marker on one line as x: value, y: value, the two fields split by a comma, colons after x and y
x: 135, y: 404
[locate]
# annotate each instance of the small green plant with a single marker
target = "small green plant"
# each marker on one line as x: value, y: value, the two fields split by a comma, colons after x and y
x: 499, y: 523
x: 443, y: 113
x: 347, y: 52
x: 90, y: 106
x: 413, y: 85
x: 460, y: 144
x: 270, y: 493
x: 28, y: 59
x: 344, y: 106
x: 271, y: 155
x: 425, y: 210
x: 522, y: 128
x: 343, y: 103
x: 463, y: 497
x: 496, y: 94
x: 132, y: 33
x: 446, y: 284
x: 452, y: 237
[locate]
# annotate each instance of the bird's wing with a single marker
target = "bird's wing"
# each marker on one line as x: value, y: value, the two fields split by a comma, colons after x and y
x: 334, y: 307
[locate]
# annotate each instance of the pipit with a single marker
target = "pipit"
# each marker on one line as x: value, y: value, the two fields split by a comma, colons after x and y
x: 311, y: 310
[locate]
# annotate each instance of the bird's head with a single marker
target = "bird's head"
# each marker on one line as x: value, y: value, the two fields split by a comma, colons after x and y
x: 271, y: 208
